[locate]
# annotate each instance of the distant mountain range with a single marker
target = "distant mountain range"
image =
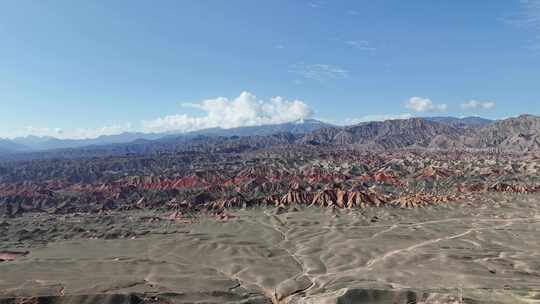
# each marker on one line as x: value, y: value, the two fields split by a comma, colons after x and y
x: 388, y: 134
x: 517, y: 134
x: 38, y: 143
x: 35, y: 143
x: 7, y: 146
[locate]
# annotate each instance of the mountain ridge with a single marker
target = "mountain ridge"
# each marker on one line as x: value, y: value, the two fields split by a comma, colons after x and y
x: 518, y: 134
x: 34, y: 143
x: 469, y: 121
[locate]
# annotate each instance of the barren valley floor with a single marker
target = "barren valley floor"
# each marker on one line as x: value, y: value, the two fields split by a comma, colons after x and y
x: 485, y: 250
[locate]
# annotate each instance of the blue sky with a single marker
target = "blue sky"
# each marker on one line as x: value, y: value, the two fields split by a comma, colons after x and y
x: 85, y: 68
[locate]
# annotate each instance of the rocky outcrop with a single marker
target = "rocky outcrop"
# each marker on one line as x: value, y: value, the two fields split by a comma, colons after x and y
x: 329, y: 177
x: 391, y: 134
x: 514, y: 134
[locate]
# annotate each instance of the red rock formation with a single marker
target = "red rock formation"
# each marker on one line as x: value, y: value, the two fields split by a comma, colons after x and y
x: 295, y: 197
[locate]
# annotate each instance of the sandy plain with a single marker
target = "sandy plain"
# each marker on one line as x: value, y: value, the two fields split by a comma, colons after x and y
x: 482, y: 251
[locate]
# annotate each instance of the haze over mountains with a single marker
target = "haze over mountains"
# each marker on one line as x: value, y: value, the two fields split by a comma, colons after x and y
x: 43, y: 143
x: 515, y: 134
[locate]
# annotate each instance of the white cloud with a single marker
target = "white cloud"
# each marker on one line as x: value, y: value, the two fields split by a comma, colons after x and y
x: 420, y: 104
x: 106, y: 130
x: 362, y: 45
x: 40, y: 131
x: 319, y: 72
x: 244, y: 110
x: 382, y: 117
x: 474, y: 104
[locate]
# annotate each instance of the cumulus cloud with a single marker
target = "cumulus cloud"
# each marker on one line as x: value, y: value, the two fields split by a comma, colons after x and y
x: 382, y: 117
x: 319, y: 72
x: 474, y: 104
x: 420, y: 104
x: 244, y: 110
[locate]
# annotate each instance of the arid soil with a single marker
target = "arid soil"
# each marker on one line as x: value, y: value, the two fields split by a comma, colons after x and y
x: 481, y: 250
x: 348, y: 216
x: 190, y: 182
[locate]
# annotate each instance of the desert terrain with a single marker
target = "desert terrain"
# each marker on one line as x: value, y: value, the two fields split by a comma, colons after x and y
x: 481, y: 251
x: 269, y: 152
x: 398, y: 212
